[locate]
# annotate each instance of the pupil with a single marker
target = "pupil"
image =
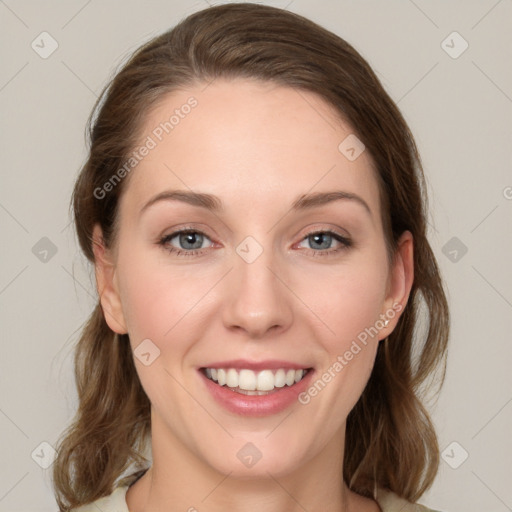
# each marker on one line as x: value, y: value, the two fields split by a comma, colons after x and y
x: 322, y: 239
x: 193, y: 239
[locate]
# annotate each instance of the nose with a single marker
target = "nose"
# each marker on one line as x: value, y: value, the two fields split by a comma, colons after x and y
x: 258, y: 300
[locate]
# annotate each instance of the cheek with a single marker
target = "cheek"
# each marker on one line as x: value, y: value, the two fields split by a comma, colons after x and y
x: 158, y: 302
x: 154, y: 296
x: 359, y: 303
x: 350, y: 305
x: 355, y: 318
x: 347, y: 300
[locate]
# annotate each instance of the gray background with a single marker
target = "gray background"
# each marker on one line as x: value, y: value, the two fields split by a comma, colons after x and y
x: 460, y: 112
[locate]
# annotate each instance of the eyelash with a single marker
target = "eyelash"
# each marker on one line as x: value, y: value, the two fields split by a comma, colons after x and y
x: 345, y: 242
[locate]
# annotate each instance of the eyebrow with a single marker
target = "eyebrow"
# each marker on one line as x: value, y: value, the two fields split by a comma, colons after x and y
x: 214, y: 204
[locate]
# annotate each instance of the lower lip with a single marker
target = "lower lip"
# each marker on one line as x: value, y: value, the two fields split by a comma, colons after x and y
x: 257, y: 405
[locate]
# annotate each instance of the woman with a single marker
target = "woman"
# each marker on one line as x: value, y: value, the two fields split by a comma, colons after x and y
x: 253, y: 204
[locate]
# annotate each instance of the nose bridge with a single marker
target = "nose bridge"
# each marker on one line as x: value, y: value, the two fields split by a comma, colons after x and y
x: 258, y: 301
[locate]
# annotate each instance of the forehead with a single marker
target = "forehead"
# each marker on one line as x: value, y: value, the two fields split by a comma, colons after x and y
x: 247, y: 142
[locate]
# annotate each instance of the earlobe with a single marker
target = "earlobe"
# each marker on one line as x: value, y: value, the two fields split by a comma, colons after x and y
x: 106, y: 284
x: 400, y: 281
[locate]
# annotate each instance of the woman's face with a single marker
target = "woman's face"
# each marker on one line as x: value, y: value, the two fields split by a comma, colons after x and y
x: 278, y: 271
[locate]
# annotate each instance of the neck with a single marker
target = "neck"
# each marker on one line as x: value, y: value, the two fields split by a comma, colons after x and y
x: 179, y: 480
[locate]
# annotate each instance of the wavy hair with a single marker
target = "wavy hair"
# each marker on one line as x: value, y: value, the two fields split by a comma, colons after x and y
x: 390, y: 439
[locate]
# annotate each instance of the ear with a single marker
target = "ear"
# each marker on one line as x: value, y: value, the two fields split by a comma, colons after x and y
x: 399, y: 283
x: 106, y: 283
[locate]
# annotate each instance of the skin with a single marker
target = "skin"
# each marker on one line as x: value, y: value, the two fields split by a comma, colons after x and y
x: 258, y: 147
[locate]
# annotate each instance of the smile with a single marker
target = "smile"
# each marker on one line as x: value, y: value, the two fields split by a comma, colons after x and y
x: 249, y: 382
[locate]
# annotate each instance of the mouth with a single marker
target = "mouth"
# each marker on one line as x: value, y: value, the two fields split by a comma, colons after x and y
x: 255, y: 383
x: 256, y: 388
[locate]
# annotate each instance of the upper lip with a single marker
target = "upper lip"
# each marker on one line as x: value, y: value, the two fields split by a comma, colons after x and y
x: 268, y: 364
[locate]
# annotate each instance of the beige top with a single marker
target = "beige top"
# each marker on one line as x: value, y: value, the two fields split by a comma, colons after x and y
x: 116, y: 502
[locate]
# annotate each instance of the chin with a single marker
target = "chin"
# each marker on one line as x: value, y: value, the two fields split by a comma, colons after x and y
x: 255, y: 459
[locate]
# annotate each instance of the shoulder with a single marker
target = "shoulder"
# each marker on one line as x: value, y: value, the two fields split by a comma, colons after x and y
x: 115, y: 502
x: 391, y: 502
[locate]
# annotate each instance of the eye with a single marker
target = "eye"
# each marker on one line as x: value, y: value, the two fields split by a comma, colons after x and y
x: 191, y: 242
x: 321, y: 242
x: 187, y: 242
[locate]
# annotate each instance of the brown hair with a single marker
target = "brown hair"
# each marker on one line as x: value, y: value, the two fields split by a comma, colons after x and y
x: 390, y: 440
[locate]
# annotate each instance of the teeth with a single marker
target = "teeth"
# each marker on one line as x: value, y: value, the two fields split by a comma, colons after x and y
x: 248, y: 380
x: 231, y: 378
x: 280, y: 378
x: 265, y: 381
